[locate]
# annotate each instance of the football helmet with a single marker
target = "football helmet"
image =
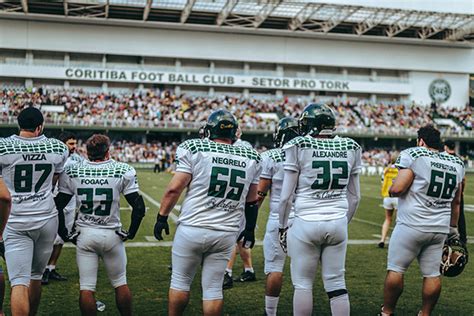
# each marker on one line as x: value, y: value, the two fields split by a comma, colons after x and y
x: 221, y: 124
x: 317, y: 119
x: 286, y: 130
x: 454, y: 258
x: 202, y: 131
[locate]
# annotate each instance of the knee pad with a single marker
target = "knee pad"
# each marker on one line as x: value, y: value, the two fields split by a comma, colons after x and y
x: 180, y: 282
x: 336, y: 293
x: 213, y: 293
x: 119, y: 281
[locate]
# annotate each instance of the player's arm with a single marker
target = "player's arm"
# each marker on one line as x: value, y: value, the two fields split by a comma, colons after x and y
x: 176, y: 186
x: 5, y: 206
x: 135, y: 200
x: 455, y: 211
x: 289, y: 185
x: 61, y: 200
x: 402, y: 182
x: 251, y: 214
x: 353, y: 195
x: 264, y: 186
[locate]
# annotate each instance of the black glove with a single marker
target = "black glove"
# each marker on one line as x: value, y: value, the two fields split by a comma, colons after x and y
x: 282, y: 237
x: 123, y: 234
x: 63, y: 233
x: 248, y: 238
x: 72, y: 237
x: 161, y: 223
x: 2, y: 249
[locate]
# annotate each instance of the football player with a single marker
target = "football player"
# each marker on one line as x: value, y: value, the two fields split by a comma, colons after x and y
x: 324, y: 169
x: 450, y: 148
x: 5, y: 205
x: 390, y: 204
x: 97, y: 184
x: 428, y: 188
x: 248, y: 274
x: 30, y: 164
x: 69, y: 211
x: 272, y: 178
x: 222, y: 186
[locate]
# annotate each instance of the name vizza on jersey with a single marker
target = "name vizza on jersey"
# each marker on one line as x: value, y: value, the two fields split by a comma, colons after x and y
x: 33, y: 157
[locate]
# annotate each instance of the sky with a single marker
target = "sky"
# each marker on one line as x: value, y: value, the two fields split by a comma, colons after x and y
x: 451, y: 6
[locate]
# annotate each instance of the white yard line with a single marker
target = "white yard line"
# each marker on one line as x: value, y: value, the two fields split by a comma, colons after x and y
x: 157, y: 204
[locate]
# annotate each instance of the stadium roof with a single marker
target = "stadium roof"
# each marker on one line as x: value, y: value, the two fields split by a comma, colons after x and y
x: 289, y: 16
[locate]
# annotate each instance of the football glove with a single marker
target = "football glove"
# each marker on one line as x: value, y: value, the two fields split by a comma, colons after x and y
x: 453, y: 233
x: 63, y: 233
x: 123, y: 234
x: 248, y: 238
x: 160, y: 225
x: 2, y: 249
x: 72, y: 237
x: 282, y: 232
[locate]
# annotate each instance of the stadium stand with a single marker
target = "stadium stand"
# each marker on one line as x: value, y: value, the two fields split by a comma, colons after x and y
x: 154, y: 108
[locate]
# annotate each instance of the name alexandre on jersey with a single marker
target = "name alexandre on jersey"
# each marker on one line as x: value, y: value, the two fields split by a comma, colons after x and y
x: 229, y: 162
x: 329, y: 154
x: 33, y: 157
x: 95, y: 181
x: 442, y: 166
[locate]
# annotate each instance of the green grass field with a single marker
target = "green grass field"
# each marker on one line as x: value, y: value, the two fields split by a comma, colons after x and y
x: 148, y: 275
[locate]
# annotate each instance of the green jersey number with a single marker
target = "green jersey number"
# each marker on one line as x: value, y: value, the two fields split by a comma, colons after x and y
x: 332, y: 173
x: 218, y: 186
x: 23, y: 177
x: 442, y: 184
x: 87, y: 204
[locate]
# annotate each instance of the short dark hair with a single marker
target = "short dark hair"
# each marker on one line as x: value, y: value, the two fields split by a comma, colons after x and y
x: 431, y: 136
x: 30, y: 118
x: 450, y: 144
x: 65, y: 136
x: 97, y: 147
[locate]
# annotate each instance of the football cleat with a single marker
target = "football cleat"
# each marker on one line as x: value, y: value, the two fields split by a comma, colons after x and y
x: 54, y: 275
x: 454, y: 258
x: 246, y: 276
x: 317, y: 119
x: 228, y: 282
x: 286, y: 130
x: 221, y: 124
x: 45, y: 278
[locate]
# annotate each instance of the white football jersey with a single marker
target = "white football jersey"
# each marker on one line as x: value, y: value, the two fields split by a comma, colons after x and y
x: 324, y: 166
x: 221, y: 178
x: 28, y: 166
x: 72, y: 159
x: 272, y: 169
x: 242, y: 143
x: 427, y: 204
x: 97, y: 187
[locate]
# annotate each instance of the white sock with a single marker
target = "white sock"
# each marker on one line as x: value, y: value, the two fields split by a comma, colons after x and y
x: 229, y: 271
x: 271, y: 305
x: 249, y: 269
x: 51, y: 267
x: 302, y: 302
x: 340, y: 305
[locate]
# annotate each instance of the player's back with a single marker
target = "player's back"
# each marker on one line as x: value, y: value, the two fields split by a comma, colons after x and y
x: 97, y: 187
x: 324, y: 166
x: 28, y: 166
x: 427, y: 204
x: 221, y: 178
x: 272, y: 169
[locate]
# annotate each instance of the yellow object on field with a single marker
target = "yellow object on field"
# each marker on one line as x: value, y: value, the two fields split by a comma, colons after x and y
x: 389, y: 173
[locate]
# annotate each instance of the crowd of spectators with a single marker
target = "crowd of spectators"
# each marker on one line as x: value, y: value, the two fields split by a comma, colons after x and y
x: 154, y: 108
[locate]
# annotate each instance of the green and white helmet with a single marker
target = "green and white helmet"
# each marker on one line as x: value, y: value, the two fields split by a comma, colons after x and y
x: 286, y: 130
x: 221, y: 124
x: 317, y: 119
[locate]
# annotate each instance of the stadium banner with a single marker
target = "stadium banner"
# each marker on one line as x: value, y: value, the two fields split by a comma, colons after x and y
x: 203, y: 79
